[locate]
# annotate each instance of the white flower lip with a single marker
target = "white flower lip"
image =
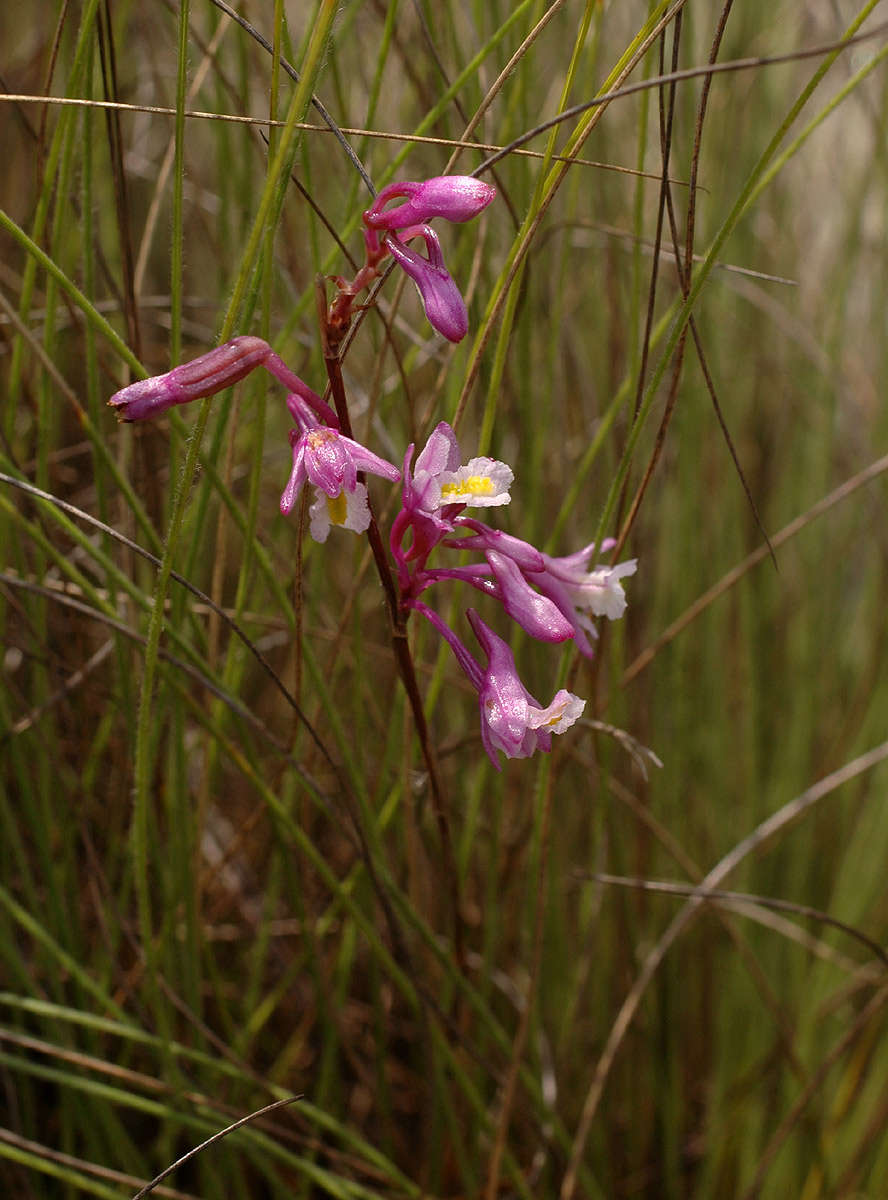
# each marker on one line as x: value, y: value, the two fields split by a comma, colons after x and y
x: 482, y: 482
x: 348, y: 509
x: 564, y: 711
x: 600, y: 591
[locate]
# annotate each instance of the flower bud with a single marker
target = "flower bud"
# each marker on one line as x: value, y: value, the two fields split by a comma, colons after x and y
x: 203, y: 376
x: 441, y: 298
x: 453, y: 197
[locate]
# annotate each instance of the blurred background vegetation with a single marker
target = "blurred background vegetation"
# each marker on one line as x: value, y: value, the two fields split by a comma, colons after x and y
x: 244, y: 895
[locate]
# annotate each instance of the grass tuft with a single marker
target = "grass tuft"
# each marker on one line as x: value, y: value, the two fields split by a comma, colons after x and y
x: 226, y: 875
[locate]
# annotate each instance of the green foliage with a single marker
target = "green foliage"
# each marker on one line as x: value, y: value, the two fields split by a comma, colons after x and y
x: 222, y: 876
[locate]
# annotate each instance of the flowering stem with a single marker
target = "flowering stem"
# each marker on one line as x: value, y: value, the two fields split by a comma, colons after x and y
x: 518, y: 1046
x: 400, y: 645
x: 337, y: 388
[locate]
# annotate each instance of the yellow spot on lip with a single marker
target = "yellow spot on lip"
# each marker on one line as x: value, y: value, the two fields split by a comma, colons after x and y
x: 337, y: 509
x: 472, y: 485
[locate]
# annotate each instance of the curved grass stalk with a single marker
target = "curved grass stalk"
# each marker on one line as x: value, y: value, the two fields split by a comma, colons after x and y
x: 763, y: 833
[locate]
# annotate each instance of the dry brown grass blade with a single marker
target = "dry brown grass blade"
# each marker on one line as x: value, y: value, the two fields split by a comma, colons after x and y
x: 217, y: 1137
x: 745, y: 900
x: 382, y: 135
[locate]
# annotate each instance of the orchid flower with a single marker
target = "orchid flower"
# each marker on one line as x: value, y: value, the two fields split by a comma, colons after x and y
x: 438, y: 489
x: 330, y: 461
x: 439, y: 480
x: 388, y: 231
x: 511, y: 719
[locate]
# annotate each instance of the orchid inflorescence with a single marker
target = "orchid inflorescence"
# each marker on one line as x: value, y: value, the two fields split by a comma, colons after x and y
x: 552, y: 599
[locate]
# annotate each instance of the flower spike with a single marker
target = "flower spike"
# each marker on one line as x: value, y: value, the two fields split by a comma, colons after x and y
x: 552, y: 599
